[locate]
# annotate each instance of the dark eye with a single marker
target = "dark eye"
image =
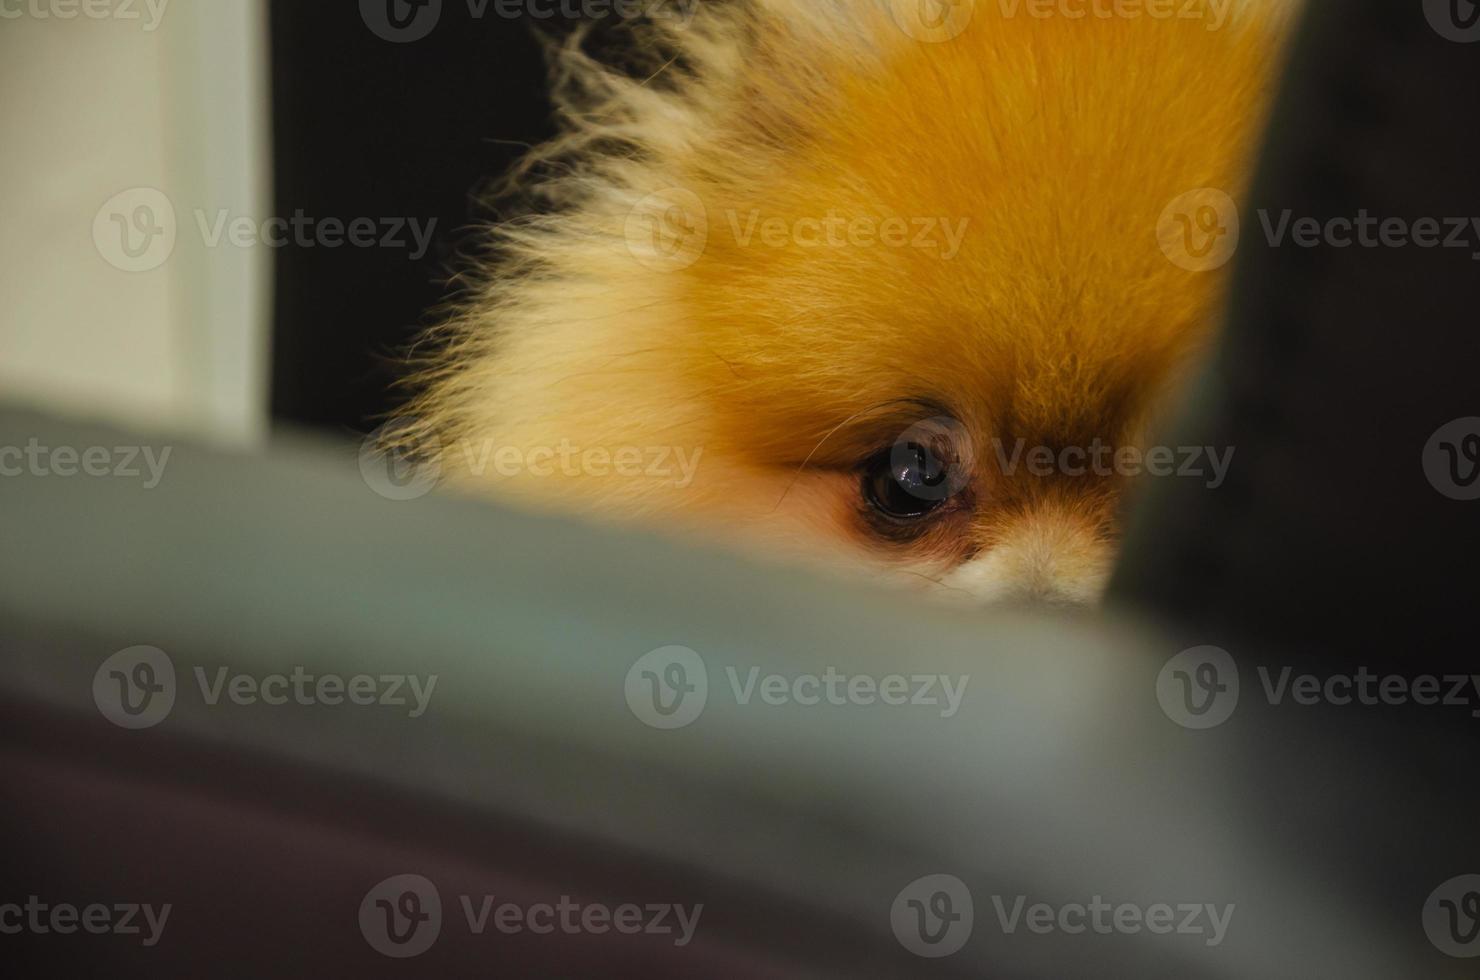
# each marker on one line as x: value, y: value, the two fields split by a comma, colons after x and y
x: 906, y: 481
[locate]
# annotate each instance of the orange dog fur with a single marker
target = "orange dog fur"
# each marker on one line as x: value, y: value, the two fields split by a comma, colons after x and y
x: 810, y: 225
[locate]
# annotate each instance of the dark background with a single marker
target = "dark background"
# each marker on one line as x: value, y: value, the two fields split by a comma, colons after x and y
x: 364, y: 127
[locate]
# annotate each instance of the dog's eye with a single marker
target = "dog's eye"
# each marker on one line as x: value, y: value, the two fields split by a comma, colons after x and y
x: 906, y: 481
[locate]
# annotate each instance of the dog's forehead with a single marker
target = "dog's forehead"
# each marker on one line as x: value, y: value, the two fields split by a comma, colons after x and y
x: 979, y: 227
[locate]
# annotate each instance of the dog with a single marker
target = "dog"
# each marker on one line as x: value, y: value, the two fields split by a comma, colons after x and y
x: 894, y: 287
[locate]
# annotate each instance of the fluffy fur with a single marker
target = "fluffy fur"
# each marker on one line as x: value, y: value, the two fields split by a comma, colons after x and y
x: 644, y: 306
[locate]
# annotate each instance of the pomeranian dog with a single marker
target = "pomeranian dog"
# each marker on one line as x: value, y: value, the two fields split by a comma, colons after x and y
x: 895, y: 286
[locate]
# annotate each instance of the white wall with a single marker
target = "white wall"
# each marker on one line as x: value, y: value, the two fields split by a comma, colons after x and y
x: 171, y: 103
